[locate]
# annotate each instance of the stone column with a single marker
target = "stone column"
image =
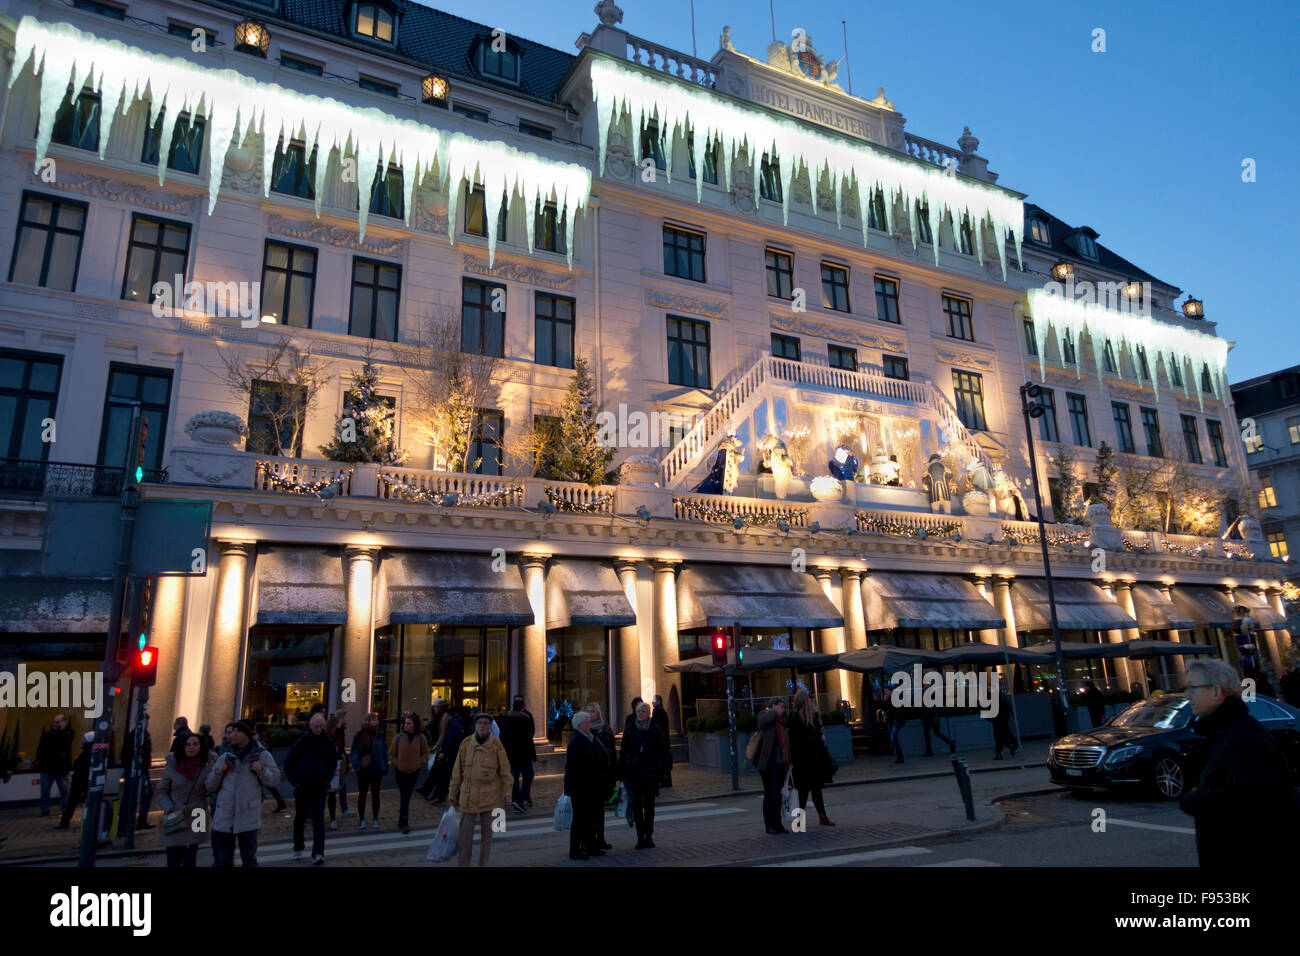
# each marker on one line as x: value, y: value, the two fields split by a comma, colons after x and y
x: 855, y: 633
x: 356, y: 660
x: 666, y: 684
x: 1176, y: 663
x: 1002, y: 606
x: 229, y: 631
x: 1123, y: 592
x: 532, y: 655
x: 627, y: 649
x: 166, y: 625
x: 830, y: 640
x: 1270, y: 643
x: 988, y: 635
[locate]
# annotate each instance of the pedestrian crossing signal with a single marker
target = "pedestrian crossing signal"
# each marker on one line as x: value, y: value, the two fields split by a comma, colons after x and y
x: 144, y: 672
x: 719, y: 649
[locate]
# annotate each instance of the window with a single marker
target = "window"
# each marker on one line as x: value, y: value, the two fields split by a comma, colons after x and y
x: 835, y: 287
x: 769, y: 179
x: 1176, y: 373
x: 532, y: 129
x: 1293, y: 430
x: 288, y: 284
x: 785, y: 347
x: 103, y: 9
x: 47, y: 250
x: 29, y: 392
x: 1253, y: 442
x: 470, y: 112
x: 1151, y: 432
x: 968, y: 388
x: 276, y: 416
x: 157, y: 252
x: 186, y: 149
x: 965, y: 237
x: 652, y: 144
x: 1123, y: 427
x: 290, y: 62
x: 923, y: 230
x: 1286, y: 386
x: 1277, y: 544
x: 710, y: 158
x: 549, y: 230
x: 1207, y: 386
x: 186, y: 31
x: 1192, y: 439
x: 374, y: 21
x: 887, y: 300
x: 553, y: 330
x: 500, y: 64
x: 1067, y: 349
x: 378, y: 86
x: 1267, y: 496
x: 476, y: 214
x: 780, y: 274
x: 77, y: 121
x: 683, y: 254
x: 957, y: 312
x: 1047, y: 429
x: 688, y: 352
x: 876, y: 218
x: 1144, y: 369
x: 387, y: 193
x: 152, y: 388
x: 1039, y: 232
x: 895, y: 366
x: 482, y: 318
x: 1087, y: 247
x: 1031, y: 337
x: 1217, y: 449
x: 1077, y: 407
x: 1108, y: 357
x: 376, y: 287
x: 292, y: 173
x: 485, y: 445
x: 840, y: 357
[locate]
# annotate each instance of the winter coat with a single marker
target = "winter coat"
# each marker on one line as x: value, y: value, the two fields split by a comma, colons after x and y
x: 517, y: 733
x: 659, y: 717
x: 80, y: 776
x: 54, y: 752
x: 409, y: 752
x: 1245, y: 788
x: 311, y: 760
x: 376, y: 750
x: 584, y: 767
x: 769, y: 748
x: 644, y: 758
x: 146, y: 752
x: 175, y: 791
x: 605, y: 737
x: 239, y: 791
x: 480, y: 778
x: 809, y: 758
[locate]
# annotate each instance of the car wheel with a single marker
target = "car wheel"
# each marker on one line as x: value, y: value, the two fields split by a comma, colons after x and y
x: 1170, y: 777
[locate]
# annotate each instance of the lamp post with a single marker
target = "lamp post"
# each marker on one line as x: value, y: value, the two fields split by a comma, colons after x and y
x: 1030, y: 408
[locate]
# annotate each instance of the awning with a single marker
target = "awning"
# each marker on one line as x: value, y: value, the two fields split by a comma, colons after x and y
x: 52, y: 605
x: 986, y: 654
x: 448, y: 587
x: 718, y: 595
x: 765, y: 658
x: 883, y: 657
x: 1208, y: 607
x: 926, y: 600
x: 1080, y: 606
x: 694, y: 665
x: 1260, y: 609
x: 1157, y: 612
x: 1073, y: 650
x: 300, y: 585
x: 1148, y: 648
x: 581, y: 592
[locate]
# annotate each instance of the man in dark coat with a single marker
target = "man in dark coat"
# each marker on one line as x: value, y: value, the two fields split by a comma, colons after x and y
x: 1244, y: 802
x: 1002, y: 733
x: 772, y: 762
x: 659, y: 717
x: 517, y: 731
x: 53, y: 761
x: 1095, y: 703
x: 642, y: 764
x: 584, y: 774
x: 310, y: 768
x: 630, y: 719
x: 80, y: 781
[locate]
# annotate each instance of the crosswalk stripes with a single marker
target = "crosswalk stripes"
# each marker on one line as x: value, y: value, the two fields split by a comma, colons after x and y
x: 1112, y: 822
x: 844, y: 859
x: 964, y: 861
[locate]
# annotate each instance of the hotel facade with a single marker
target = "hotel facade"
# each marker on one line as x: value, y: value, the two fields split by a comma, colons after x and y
x: 807, y: 328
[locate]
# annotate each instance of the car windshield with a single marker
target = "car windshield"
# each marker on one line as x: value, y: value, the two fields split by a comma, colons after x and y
x: 1163, y: 714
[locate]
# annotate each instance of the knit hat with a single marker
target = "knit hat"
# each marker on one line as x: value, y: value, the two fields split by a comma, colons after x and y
x: 244, y: 727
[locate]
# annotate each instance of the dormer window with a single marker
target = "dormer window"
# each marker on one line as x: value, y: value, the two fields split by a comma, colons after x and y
x: 498, y: 58
x: 1039, y: 232
x: 376, y: 21
x: 1087, y: 248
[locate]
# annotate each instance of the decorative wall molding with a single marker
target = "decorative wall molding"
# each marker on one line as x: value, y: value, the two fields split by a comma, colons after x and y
x: 788, y: 322
x: 88, y: 310
x: 690, y: 304
x: 518, y: 272
x: 344, y: 237
x: 117, y: 190
x: 965, y: 357
x: 1130, y: 393
x: 429, y: 214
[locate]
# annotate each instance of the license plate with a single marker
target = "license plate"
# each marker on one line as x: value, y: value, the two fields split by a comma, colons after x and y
x: 1074, y: 773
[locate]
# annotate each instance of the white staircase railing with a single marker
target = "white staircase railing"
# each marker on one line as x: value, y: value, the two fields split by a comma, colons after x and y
x: 695, y: 444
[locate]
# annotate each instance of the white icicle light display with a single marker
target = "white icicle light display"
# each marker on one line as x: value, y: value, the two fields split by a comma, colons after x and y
x: 233, y: 104
x: 1175, y: 344
x: 617, y: 87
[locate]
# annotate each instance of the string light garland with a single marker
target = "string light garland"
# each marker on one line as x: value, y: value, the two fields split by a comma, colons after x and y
x: 1056, y: 539
x: 706, y: 512
x: 591, y: 507
x: 415, y: 493
x: 1236, y: 551
x: 280, y: 483
x: 878, y: 525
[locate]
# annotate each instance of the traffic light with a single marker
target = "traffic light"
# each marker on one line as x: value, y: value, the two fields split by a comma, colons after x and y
x: 719, y: 648
x: 136, y: 475
x: 144, y: 668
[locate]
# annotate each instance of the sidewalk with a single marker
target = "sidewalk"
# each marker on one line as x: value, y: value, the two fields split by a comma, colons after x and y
x: 30, y: 838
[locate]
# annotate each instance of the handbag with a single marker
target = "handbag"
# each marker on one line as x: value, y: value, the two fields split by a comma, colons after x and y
x: 174, y: 821
x: 787, y: 795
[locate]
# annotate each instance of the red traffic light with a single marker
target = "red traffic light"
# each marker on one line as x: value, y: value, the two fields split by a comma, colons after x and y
x: 144, y: 669
x: 718, y: 646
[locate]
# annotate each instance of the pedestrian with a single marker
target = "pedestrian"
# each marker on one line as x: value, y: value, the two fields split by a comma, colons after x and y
x: 80, y: 781
x: 517, y: 737
x: 143, y: 784
x: 660, y: 718
x: 440, y: 720
x: 810, y: 760
x: 337, y: 729
x: 1095, y: 702
x: 54, y: 760
x: 183, y: 796
x: 263, y: 734
x: 180, y: 728
x: 895, y: 720
x: 369, y: 759
x: 773, y: 762
x: 1244, y: 787
x: 410, y: 751
x: 601, y: 733
x: 237, y: 778
x: 1001, y: 721
x: 480, y: 782
x: 641, y: 765
x: 930, y: 725
x: 205, y: 735
x: 457, y: 728
x: 310, y: 768
x: 630, y: 719
x: 583, y: 774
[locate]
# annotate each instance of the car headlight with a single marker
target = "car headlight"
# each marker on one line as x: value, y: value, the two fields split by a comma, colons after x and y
x: 1121, y: 755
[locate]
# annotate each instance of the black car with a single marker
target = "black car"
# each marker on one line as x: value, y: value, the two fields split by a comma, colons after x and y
x: 1151, y: 743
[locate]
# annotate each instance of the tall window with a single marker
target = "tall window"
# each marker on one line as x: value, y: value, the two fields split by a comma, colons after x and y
x: 1293, y: 430
x: 553, y: 330
x: 1267, y: 496
x: 1207, y: 386
x: 1031, y: 337
x: 485, y: 443
x: 876, y: 217
x: 1123, y: 427
x: 965, y: 237
x: 785, y: 347
x: 157, y: 253
x: 1176, y: 373
x: 835, y: 287
x: 47, y: 249
x: 289, y: 284
x: 376, y: 288
x: 1151, y: 432
x: 887, y: 300
x: 29, y: 392
x: 957, y: 312
x: 1192, y: 439
x: 780, y: 274
x: 769, y: 179
x: 1108, y: 357
x: 968, y: 388
x: 1047, y: 429
x: 711, y: 155
x: 77, y: 121
x: 688, y: 352
x: 152, y: 388
x: 1277, y: 544
x: 482, y: 318
x: 388, y: 193
x: 185, y: 152
x: 924, y: 232
x: 476, y: 214
x: 652, y: 144
x: 895, y: 366
x: 841, y: 357
x: 293, y: 172
x: 1217, y: 448
x: 275, y: 418
x: 1067, y: 348
x: 684, y: 254
x: 374, y: 21
x: 1077, y: 407
x: 548, y: 230
x: 501, y: 64
x: 1144, y: 368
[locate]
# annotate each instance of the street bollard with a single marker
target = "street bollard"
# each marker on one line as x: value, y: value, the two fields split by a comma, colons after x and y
x: 962, y: 769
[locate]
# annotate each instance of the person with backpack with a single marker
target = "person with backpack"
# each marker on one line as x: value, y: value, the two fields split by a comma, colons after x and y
x: 641, y: 765
x: 370, y: 760
x: 262, y: 732
x: 517, y: 732
x: 772, y: 758
x: 811, y: 768
x: 410, y: 751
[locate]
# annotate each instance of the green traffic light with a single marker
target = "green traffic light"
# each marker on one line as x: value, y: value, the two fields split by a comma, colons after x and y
x: 143, y: 641
x: 139, y: 474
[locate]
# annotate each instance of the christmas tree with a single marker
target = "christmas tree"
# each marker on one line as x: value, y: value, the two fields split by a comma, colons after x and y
x: 578, y: 454
x: 1106, y: 472
x: 365, y: 431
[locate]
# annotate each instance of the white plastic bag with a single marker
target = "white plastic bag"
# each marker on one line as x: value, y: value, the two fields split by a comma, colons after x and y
x: 624, y: 808
x: 563, y: 813
x: 443, y: 846
x: 787, y: 797
x: 428, y: 764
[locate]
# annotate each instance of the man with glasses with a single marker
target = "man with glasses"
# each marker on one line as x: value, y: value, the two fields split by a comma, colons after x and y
x: 1244, y: 802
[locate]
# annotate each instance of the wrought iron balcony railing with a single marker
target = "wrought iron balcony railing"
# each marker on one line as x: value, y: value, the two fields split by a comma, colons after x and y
x: 21, y: 478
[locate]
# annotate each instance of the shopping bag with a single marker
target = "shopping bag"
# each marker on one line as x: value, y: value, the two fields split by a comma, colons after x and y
x: 624, y: 808
x: 443, y: 846
x: 334, y: 780
x: 787, y: 797
x: 564, y: 813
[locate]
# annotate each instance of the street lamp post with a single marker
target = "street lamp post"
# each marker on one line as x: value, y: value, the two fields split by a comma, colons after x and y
x: 1031, y: 409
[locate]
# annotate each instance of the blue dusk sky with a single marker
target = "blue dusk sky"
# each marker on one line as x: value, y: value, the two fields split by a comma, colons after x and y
x: 1144, y: 142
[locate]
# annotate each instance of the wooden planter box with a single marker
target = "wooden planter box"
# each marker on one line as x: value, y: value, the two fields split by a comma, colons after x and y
x: 713, y: 751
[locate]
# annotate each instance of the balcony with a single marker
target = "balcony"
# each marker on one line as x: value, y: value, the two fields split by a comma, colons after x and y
x: 37, y: 480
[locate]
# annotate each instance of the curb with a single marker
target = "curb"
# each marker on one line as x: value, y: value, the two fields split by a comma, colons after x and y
x: 1020, y: 794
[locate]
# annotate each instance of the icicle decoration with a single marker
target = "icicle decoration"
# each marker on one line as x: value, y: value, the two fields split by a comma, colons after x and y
x: 235, y: 106
x: 618, y: 88
x: 1175, y: 344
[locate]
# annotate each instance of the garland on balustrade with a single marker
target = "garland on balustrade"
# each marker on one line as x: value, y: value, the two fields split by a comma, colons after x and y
x: 1129, y: 546
x: 1056, y: 539
x: 1171, y: 548
x: 707, y: 512
x: 878, y: 525
x: 415, y: 493
x: 597, y: 504
x: 281, y: 483
x: 1236, y: 551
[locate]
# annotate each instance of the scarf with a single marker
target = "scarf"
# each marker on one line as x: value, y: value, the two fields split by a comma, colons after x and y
x: 189, y: 766
x: 641, y: 726
x: 596, y: 726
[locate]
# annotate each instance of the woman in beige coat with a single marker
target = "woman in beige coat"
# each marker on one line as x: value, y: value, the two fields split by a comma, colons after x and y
x: 480, y: 783
x: 183, y: 794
